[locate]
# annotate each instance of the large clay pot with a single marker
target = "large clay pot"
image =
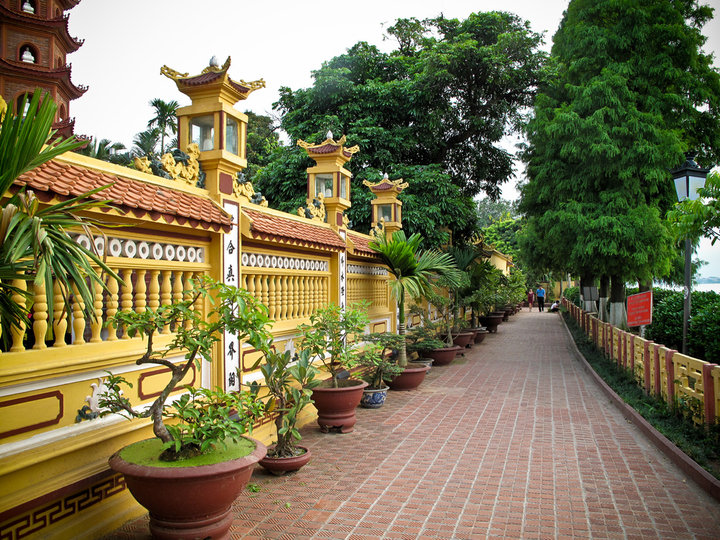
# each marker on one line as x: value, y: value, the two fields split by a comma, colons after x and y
x: 444, y: 356
x: 336, y: 406
x: 463, y: 339
x: 421, y: 362
x: 189, y: 502
x: 373, y: 398
x: 480, y: 336
x: 279, y: 466
x: 410, y: 379
x: 490, y: 322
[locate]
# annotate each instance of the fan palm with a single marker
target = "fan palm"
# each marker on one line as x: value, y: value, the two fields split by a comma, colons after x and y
x: 165, y: 119
x: 34, y: 244
x: 413, y: 271
x: 145, y: 143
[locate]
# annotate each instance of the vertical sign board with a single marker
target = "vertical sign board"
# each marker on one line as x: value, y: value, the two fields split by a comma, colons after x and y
x: 231, y: 270
x: 639, y: 309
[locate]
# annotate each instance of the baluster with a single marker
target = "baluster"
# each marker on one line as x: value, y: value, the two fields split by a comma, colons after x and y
x: 188, y: 296
x: 283, y: 298
x: 40, y: 316
x: 140, y: 291
x: 96, y: 324
x: 264, y: 298
x: 78, y: 322
x: 301, y: 311
x: 177, y: 291
x: 306, y: 296
x: 272, y: 299
x: 250, y: 286
x: 291, y: 297
x: 18, y: 333
x: 311, y: 294
x: 154, y: 290
x: 126, y: 299
x: 112, y: 305
x: 59, y: 315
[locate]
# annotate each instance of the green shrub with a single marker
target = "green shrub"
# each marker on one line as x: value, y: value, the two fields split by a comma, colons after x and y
x: 573, y: 295
x: 667, y: 326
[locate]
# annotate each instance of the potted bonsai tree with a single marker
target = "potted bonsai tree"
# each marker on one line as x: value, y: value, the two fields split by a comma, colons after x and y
x: 332, y: 336
x: 289, y: 382
x: 379, y: 358
x: 189, y: 475
x: 444, y: 355
x: 412, y: 269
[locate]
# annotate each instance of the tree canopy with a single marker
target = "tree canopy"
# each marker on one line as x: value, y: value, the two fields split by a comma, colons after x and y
x: 432, y: 111
x: 630, y: 91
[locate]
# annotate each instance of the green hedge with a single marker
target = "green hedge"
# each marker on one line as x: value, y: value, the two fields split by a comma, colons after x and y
x: 703, y: 333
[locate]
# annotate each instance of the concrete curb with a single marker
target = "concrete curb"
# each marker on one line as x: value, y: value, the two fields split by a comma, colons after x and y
x: 700, y: 476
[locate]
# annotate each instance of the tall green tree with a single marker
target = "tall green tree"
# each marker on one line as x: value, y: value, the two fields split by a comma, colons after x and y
x: 439, y: 103
x: 490, y: 210
x: 262, y: 141
x: 165, y: 119
x: 145, y: 143
x: 631, y: 91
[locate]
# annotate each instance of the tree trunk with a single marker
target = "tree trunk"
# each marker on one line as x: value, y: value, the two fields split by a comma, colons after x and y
x: 588, y: 305
x: 402, y: 354
x: 618, y: 314
x: 603, y: 294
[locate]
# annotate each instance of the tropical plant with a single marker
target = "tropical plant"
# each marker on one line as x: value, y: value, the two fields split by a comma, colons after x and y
x: 379, y: 358
x: 145, y: 143
x: 106, y: 150
x: 413, y: 271
x: 203, y: 416
x: 333, y: 336
x: 289, y: 382
x: 165, y: 119
x: 34, y: 242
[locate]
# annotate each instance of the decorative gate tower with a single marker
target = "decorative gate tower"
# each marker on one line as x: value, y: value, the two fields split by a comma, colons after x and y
x: 34, y: 44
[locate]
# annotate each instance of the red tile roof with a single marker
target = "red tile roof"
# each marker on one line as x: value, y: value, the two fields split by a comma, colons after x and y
x: 362, y: 244
x: 127, y: 195
x: 272, y: 227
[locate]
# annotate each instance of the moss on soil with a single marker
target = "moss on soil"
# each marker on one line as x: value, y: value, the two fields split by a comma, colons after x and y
x: 147, y: 453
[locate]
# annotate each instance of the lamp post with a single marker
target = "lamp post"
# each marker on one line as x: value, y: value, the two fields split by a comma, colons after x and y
x: 689, y: 178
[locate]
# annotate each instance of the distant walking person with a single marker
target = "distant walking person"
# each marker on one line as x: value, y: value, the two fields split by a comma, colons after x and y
x: 541, y: 298
x: 531, y: 298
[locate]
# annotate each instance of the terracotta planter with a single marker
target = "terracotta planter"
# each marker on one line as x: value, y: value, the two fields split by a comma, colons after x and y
x: 444, y: 356
x: 480, y: 336
x: 373, y: 398
x: 463, y: 339
x: 189, y: 502
x: 422, y: 362
x: 409, y: 379
x: 336, y: 406
x: 279, y: 466
x: 490, y: 322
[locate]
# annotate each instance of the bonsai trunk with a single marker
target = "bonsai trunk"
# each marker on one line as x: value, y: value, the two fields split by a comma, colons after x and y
x: 284, y: 446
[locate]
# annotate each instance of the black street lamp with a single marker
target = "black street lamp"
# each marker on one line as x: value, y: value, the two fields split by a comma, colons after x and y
x: 689, y: 178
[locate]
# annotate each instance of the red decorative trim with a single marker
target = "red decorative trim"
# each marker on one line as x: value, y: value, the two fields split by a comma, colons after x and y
x: 33, y: 516
x: 33, y: 427
x: 709, y: 393
x: 670, y: 376
x: 646, y: 366
x: 656, y: 361
x: 225, y: 183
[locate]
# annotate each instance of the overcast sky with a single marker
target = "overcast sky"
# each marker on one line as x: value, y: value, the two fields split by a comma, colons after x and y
x: 282, y: 42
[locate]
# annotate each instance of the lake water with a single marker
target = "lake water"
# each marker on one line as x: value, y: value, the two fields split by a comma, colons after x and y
x: 699, y: 287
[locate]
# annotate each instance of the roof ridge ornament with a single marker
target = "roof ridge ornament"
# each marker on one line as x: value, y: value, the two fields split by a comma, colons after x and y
x: 213, y: 67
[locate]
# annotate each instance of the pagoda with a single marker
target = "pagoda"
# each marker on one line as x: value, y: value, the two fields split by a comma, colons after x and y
x: 34, y: 44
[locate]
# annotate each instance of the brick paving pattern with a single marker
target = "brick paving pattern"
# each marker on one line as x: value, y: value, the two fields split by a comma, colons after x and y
x: 511, y: 441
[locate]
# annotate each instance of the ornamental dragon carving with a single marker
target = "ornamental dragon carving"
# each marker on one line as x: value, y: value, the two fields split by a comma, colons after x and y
x: 314, y: 210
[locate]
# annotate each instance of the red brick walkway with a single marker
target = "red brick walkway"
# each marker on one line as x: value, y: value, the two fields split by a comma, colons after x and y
x: 514, y: 441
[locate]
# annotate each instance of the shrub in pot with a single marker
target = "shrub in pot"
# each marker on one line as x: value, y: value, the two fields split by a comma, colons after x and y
x: 332, y: 336
x: 289, y: 382
x: 380, y: 367
x: 191, y: 473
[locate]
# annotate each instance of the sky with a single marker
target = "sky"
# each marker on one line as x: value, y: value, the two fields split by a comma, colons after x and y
x: 280, y: 41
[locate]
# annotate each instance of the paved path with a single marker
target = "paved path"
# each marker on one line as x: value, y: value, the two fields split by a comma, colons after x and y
x: 514, y: 441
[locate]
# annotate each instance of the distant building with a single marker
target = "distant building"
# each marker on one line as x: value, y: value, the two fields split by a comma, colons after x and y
x: 34, y: 44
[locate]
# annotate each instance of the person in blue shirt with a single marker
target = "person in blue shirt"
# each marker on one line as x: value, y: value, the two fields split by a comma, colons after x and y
x: 540, y: 293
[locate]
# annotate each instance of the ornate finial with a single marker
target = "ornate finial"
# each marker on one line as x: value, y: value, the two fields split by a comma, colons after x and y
x: 214, y: 62
x: 385, y: 176
x: 329, y: 135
